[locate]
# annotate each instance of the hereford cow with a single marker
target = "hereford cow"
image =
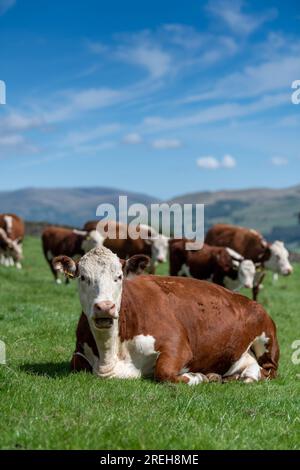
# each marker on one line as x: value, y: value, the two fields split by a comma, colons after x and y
x: 175, y: 329
x: 252, y: 245
x: 150, y: 242
x: 12, y: 230
x: 220, y: 265
x: 58, y: 240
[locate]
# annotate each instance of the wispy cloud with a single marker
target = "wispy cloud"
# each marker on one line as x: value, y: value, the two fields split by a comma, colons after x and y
x: 164, y: 144
x: 232, y: 14
x: 6, y: 5
x: 132, y: 139
x: 279, y: 161
x: 156, y: 61
x: 90, y: 135
x: 212, y: 163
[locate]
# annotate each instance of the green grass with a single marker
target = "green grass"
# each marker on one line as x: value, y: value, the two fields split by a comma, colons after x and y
x: 44, y: 406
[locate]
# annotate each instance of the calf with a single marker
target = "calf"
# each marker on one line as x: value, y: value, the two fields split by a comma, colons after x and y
x: 221, y: 265
x: 120, y: 242
x: 58, y: 240
x: 252, y: 245
x: 175, y: 329
x: 11, y: 240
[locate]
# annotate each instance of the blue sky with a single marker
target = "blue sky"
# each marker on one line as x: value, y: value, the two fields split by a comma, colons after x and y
x: 162, y: 97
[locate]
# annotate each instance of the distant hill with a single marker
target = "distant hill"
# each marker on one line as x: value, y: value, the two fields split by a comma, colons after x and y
x: 272, y: 211
x: 71, y: 207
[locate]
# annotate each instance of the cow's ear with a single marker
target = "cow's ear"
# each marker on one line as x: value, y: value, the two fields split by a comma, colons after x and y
x: 66, y: 265
x: 136, y: 265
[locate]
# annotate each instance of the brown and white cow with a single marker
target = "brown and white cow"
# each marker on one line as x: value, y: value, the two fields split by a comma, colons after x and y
x: 175, y: 329
x: 220, y: 265
x: 252, y: 245
x: 120, y: 241
x: 12, y: 231
x: 58, y: 240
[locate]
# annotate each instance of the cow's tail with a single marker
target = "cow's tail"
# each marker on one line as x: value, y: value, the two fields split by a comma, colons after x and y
x: 266, y: 350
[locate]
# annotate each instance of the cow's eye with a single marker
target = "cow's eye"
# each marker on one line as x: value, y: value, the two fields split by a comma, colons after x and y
x: 82, y: 278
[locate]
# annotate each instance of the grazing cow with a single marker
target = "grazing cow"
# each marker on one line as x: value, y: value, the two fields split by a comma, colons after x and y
x: 175, y: 329
x: 150, y: 242
x: 58, y: 240
x: 220, y: 265
x: 252, y: 245
x: 12, y: 230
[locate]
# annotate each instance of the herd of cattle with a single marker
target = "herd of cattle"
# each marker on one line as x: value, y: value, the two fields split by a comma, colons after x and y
x: 178, y: 328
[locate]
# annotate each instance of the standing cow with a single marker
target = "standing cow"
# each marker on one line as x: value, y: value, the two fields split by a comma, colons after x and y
x: 58, y: 240
x: 175, y: 329
x: 12, y: 231
x: 252, y: 245
x: 120, y: 242
x: 222, y: 266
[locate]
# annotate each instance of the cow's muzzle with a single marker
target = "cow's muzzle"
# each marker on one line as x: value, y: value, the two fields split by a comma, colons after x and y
x: 104, y: 314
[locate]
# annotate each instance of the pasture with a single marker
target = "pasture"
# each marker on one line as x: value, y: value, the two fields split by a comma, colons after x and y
x: 44, y: 406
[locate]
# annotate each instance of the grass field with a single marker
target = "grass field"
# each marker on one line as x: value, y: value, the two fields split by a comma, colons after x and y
x: 44, y: 406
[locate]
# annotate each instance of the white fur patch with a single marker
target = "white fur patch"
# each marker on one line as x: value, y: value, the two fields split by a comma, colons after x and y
x: 195, y: 378
x: 9, y: 223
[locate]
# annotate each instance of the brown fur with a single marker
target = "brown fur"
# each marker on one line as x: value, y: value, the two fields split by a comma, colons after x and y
x: 58, y: 241
x: 195, y: 324
x: 210, y: 261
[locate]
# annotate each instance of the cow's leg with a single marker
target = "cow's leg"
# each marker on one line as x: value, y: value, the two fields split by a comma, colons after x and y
x: 257, y: 285
x: 170, y: 367
x: 83, y: 359
x: 245, y: 369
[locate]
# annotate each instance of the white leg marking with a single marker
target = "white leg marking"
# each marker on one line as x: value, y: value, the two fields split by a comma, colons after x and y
x: 58, y: 281
x: 247, y: 367
x: 195, y: 378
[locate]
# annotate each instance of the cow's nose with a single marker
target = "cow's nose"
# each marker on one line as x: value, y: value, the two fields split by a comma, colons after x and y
x: 105, y: 307
x: 160, y: 259
x: 289, y: 271
x: 248, y: 286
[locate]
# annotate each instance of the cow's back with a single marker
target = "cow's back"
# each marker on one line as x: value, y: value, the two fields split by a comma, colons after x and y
x: 249, y: 243
x: 58, y: 240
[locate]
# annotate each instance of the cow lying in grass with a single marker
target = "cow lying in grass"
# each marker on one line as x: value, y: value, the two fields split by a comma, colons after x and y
x: 175, y: 329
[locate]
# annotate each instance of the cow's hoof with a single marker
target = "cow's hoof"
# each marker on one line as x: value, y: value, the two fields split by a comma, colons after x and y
x: 58, y: 281
x: 214, y: 378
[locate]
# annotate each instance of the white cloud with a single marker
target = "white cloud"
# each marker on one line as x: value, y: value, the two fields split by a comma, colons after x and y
x: 89, y: 135
x: 217, y: 113
x: 228, y: 161
x: 96, y: 47
x: 209, y: 163
x: 279, y: 161
x: 148, y: 56
x: 163, y: 144
x: 6, y: 5
x: 133, y: 139
x: 231, y: 13
x: 11, y: 140
x: 212, y: 163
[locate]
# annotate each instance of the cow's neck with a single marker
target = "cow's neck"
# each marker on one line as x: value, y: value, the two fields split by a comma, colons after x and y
x: 108, y: 345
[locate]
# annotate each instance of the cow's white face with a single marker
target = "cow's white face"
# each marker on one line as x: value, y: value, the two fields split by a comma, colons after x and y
x: 279, y: 260
x: 93, y: 240
x: 246, y: 273
x: 100, y: 286
x: 159, y: 249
